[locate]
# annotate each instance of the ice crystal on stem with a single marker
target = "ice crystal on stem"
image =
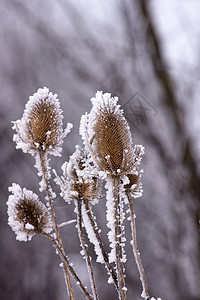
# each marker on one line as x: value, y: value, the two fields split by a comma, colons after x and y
x: 27, y: 214
x: 110, y: 219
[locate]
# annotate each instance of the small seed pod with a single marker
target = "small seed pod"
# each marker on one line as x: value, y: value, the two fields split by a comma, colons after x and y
x: 87, y: 189
x: 79, y: 181
x: 108, y: 136
x: 134, y: 187
x: 41, y: 127
x: 134, y: 182
x: 27, y: 214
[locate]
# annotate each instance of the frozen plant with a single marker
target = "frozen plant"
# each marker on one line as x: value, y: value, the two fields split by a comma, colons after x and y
x: 107, y: 157
x: 27, y: 214
x: 107, y: 137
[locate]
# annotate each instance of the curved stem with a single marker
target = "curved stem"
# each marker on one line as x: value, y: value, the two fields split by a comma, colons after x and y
x: 83, y: 245
x: 145, y: 293
x: 98, y: 237
x: 72, y: 271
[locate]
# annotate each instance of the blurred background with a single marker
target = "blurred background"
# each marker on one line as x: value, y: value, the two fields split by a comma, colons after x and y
x: 147, y: 53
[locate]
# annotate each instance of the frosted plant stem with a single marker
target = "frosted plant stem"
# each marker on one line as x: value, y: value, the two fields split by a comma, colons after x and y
x: 136, y: 253
x: 71, y: 269
x: 84, y: 247
x: 98, y: 237
x: 118, y: 233
x: 43, y: 160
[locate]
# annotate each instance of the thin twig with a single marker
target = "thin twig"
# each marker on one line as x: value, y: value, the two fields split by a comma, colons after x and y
x: 136, y: 252
x: 118, y: 234
x: 83, y: 245
x: 71, y: 269
x: 98, y: 237
x: 66, y: 223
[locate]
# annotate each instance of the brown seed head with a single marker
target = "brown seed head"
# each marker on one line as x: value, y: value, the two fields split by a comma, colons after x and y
x: 41, y: 127
x: 110, y: 141
x: 28, y: 211
x: 44, y: 126
x: 27, y: 215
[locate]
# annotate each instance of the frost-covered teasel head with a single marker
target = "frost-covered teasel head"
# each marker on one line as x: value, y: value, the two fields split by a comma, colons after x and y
x: 27, y: 215
x: 41, y: 127
x: 79, y: 180
x: 107, y: 135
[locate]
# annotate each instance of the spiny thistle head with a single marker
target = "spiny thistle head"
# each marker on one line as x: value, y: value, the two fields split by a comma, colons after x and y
x: 107, y: 135
x: 79, y: 182
x: 27, y: 215
x: 41, y: 127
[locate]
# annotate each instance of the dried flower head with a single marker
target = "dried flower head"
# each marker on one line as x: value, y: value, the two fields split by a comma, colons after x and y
x: 107, y: 134
x: 27, y: 215
x: 41, y: 127
x: 78, y: 180
x: 134, y: 186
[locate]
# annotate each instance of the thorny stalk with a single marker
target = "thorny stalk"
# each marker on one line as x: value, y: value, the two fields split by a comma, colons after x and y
x: 118, y: 235
x: 71, y: 269
x: 98, y: 237
x: 43, y: 160
x: 84, y: 247
x: 136, y: 252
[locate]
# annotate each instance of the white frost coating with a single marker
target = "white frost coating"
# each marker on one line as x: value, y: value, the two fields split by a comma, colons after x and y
x: 66, y: 223
x: 92, y: 236
x: 139, y: 151
x: 110, y: 280
x: 83, y: 127
x: 29, y: 226
x: 82, y: 252
x: 123, y: 239
x: 143, y: 295
x: 24, y: 231
x: 106, y: 100
x: 110, y: 215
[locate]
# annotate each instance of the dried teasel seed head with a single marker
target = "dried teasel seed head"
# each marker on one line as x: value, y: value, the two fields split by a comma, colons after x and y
x: 41, y: 127
x: 107, y: 135
x: 78, y: 182
x: 134, y: 186
x: 27, y: 215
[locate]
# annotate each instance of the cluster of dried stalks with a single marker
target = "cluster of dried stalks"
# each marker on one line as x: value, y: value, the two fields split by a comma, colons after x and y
x: 108, y: 156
